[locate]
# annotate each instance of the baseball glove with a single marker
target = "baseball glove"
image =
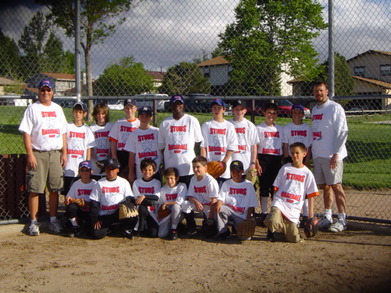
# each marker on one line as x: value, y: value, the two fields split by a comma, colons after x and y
x: 78, y: 201
x: 127, y: 210
x: 216, y: 169
x: 246, y: 229
x: 251, y: 175
x: 163, y: 212
x: 311, y: 227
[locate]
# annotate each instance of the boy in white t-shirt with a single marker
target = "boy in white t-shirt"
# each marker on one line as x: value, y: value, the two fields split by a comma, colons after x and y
x: 219, y: 138
x: 143, y: 143
x: 80, y: 141
x: 101, y: 129
x: 78, y: 211
x: 202, y: 193
x: 237, y: 201
x: 147, y: 193
x: 293, y: 185
x: 247, y: 137
x: 119, y: 134
x: 172, y: 195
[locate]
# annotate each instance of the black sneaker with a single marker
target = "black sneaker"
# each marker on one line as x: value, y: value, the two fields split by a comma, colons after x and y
x: 128, y: 234
x: 75, y: 231
x: 224, y: 235
x: 173, y: 235
x: 270, y: 236
x: 191, y: 232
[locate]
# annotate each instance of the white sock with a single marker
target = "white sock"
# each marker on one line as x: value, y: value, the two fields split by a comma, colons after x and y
x: 342, y: 217
x: 35, y: 221
x: 73, y: 222
x: 53, y: 219
x: 264, y: 203
x: 328, y: 214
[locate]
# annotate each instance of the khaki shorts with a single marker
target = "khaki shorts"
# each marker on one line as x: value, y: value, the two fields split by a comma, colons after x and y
x: 276, y: 222
x: 324, y: 175
x: 48, y: 173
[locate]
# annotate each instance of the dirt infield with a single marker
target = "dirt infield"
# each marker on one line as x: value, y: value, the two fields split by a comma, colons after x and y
x: 357, y: 260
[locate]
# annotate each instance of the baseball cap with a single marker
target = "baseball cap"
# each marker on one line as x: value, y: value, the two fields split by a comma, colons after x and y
x: 45, y: 82
x: 176, y: 98
x: 145, y: 110
x: 237, y: 103
x: 85, y: 164
x: 110, y: 163
x: 81, y: 106
x: 298, y: 106
x: 236, y: 165
x: 130, y: 101
x: 219, y: 102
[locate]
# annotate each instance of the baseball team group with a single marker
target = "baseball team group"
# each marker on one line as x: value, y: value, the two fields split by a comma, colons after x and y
x: 134, y: 179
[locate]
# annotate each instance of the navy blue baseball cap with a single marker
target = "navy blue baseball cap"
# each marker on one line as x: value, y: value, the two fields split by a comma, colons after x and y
x: 237, y: 103
x: 145, y: 110
x: 85, y: 164
x: 236, y: 165
x: 219, y: 102
x: 45, y: 82
x: 130, y: 101
x: 298, y: 106
x: 113, y: 163
x: 177, y: 98
x: 80, y: 106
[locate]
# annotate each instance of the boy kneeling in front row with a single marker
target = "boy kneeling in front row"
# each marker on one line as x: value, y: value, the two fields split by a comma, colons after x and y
x: 293, y: 185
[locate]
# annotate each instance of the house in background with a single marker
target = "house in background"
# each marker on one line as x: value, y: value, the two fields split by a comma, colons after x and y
x: 10, y: 86
x: 218, y: 69
x: 157, y: 79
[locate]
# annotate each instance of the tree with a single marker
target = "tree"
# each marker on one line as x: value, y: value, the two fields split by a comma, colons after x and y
x: 9, y: 57
x: 184, y: 78
x: 43, y: 49
x: 98, y: 20
x: 266, y: 35
x: 124, y: 79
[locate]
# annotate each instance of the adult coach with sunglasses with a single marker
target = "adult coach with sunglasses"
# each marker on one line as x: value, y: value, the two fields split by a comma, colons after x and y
x: 44, y: 135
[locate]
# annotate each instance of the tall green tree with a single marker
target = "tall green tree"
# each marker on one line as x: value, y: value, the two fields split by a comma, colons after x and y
x: 184, y: 78
x: 98, y: 20
x: 266, y: 35
x: 9, y: 57
x: 123, y: 79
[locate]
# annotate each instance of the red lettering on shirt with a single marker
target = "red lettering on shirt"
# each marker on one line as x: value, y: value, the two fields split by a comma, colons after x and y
x: 216, y: 149
x: 237, y: 209
x: 291, y: 176
x: 171, y: 196
x: 146, y: 137
x: 146, y: 190
x: 200, y: 189
x: 271, y: 151
x: 290, y: 196
x: 271, y: 134
x: 178, y: 128
x: 317, y: 135
x: 177, y: 147
x: 49, y: 114
x: 101, y: 134
x: 147, y: 154
x: 81, y: 192
x: 50, y: 131
x: 317, y: 117
x: 75, y: 152
x: 218, y: 131
x: 241, y: 130
x: 114, y: 189
x: 102, y: 151
x: 242, y: 147
x: 242, y: 191
x: 124, y: 128
x: 299, y: 133
x: 73, y: 134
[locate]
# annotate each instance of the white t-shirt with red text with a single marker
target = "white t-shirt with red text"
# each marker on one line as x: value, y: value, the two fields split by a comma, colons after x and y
x: 101, y: 150
x: 178, y: 138
x: 46, y: 126
x: 203, y: 190
x: 270, y: 139
x: 297, y: 133
x: 83, y: 191
x: 121, y: 130
x: 293, y: 186
x: 152, y: 187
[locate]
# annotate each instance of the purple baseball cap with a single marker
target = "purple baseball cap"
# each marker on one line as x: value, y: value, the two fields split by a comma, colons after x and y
x: 85, y: 164
x: 45, y: 82
x: 177, y: 98
x: 298, y: 106
x: 219, y: 102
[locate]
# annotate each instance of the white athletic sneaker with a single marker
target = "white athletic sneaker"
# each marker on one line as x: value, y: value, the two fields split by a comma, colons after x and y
x: 34, y: 229
x: 338, y: 226
x: 324, y: 223
x: 55, y: 227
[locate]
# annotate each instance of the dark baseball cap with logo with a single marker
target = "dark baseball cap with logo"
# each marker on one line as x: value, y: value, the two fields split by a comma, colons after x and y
x: 85, y: 164
x: 236, y: 165
x: 219, y: 102
x: 145, y: 110
x: 80, y: 106
x: 132, y: 102
x: 45, y: 82
x: 237, y: 103
x: 298, y: 106
x: 110, y: 163
x: 177, y: 98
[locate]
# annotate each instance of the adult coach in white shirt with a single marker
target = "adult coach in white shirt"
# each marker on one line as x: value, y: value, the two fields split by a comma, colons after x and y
x: 178, y: 135
x: 44, y: 135
x: 330, y: 132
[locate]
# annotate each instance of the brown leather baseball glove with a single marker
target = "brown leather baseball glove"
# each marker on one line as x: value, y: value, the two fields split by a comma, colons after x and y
x: 127, y: 210
x: 163, y: 212
x: 246, y: 229
x: 79, y: 201
x: 216, y: 169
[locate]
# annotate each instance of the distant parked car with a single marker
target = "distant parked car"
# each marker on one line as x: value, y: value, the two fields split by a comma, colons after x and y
x: 115, y: 104
x: 147, y: 100
x: 285, y: 109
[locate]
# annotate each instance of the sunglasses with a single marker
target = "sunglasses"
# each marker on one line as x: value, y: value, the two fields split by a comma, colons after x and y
x: 84, y: 170
x: 46, y: 90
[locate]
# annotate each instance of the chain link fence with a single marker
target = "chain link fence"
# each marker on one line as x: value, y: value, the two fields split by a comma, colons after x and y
x: 253, y: 50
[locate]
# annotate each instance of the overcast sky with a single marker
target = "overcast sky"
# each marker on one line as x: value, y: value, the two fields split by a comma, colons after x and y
x: 162, y: 33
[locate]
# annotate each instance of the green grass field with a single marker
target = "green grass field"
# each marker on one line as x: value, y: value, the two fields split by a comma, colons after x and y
x: 368, y: 165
